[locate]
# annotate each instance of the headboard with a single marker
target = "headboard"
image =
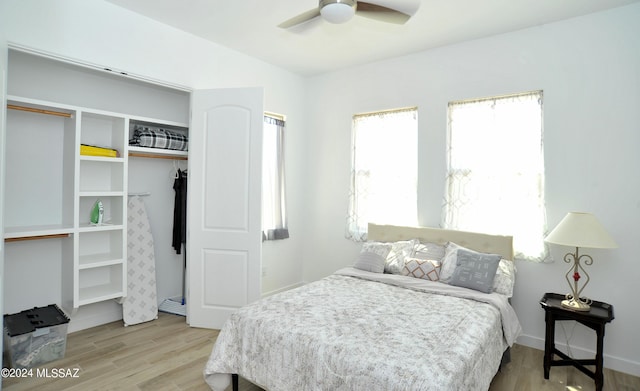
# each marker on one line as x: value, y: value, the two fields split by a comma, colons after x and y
x: 494, y: 244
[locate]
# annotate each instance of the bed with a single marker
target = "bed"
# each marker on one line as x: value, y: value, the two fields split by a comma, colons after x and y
x: 365, y: 329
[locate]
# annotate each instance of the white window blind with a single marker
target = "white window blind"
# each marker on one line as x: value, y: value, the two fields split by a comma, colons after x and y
x: 495, y: 178
x: 384, y: 170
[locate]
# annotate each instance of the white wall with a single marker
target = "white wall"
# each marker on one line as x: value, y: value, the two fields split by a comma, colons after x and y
x: 588, y: 68
x: 3, y: 86
x: 101, y: 33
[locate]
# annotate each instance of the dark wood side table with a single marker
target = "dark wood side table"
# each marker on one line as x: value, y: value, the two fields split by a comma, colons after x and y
x: 596, y: 318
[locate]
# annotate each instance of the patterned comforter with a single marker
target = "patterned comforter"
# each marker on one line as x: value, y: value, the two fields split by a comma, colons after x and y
x: 356, y: 330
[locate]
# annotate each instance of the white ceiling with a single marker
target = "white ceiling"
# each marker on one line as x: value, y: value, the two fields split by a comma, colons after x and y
x: 250, y: 26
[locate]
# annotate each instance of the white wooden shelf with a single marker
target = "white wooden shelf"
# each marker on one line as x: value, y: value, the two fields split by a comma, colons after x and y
x: 102, y: 227
x: 98, y: 293
x: 100, y: 194
x: 36, y: 232
x: 105, y: 159
x: 157, y: 153
x: 100, y: 260
x: 39, y: 106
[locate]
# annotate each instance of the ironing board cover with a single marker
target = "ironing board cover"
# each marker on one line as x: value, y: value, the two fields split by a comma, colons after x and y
x: 141, y: 303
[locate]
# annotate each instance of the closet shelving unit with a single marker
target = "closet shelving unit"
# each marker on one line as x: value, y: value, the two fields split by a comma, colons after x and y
x: 45, y: 139
x: 99, y: 270
x: 43, y: 145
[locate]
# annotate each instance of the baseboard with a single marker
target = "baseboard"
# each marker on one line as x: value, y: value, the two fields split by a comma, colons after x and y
x: 286, y: 288
x: 102, y: 313
x: 612, y: 362
x: 96, y: 317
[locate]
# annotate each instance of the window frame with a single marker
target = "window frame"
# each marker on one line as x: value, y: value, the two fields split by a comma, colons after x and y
x: 529, y: 235
x: 358, y: 216
x: 278, y: 212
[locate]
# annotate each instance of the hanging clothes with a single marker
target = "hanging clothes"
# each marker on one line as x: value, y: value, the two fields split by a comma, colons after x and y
x: 180, y: 211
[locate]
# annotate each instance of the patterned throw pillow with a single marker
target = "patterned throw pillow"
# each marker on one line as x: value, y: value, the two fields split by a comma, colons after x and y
x: 503, y: 282
x: 475, y: 270
x: 427, y: 269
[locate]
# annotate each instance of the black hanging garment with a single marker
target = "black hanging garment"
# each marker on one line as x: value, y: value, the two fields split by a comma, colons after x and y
x: 180, y: 223
x: 180, y: 211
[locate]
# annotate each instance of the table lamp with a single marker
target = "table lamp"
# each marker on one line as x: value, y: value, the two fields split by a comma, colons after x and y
x: 579, y: 230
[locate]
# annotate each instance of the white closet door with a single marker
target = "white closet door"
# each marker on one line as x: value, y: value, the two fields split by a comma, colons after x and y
x: 224, y: 204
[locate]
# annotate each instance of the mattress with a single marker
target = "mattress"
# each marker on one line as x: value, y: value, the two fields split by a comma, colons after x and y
x: 356, y: 330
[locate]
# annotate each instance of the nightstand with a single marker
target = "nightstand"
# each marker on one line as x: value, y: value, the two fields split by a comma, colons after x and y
x: 596, y: 318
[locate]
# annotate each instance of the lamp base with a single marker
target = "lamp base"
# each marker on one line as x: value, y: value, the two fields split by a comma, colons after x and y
x: 576, y: 305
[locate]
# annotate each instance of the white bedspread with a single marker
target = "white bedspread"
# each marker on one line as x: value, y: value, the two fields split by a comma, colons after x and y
x: 356, y: 330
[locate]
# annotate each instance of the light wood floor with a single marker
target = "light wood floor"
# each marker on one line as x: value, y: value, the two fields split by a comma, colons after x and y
x: 166, y: 354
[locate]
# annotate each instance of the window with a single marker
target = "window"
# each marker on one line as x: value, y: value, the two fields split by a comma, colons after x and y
x: 384, y: 170
x: 495, y: 179
x: 274, y: 216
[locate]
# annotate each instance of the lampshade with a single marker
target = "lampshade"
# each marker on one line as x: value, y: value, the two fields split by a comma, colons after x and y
x: 580, y: 230
x: 338, y: 11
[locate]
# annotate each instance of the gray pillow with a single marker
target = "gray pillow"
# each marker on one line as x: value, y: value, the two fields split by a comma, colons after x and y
x: 373, y: 256
x: 370, y: 262
x: 475, y: 270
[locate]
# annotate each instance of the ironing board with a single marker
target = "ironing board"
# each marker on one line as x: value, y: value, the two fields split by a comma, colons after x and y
x: 141, y: 303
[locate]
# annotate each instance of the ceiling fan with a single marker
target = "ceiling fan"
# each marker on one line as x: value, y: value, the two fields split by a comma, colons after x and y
x: 341, y: 11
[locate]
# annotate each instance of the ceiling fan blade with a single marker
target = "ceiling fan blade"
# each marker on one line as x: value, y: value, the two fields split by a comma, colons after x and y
x: 383, y: 14
x: 304, y: 17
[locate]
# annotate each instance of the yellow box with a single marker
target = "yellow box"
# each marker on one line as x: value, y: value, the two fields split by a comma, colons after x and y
x: 90, y: 150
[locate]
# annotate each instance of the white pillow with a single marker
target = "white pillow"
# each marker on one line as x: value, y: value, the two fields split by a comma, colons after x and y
x: 449, y: 262
x: 505, y: 278
x: 400, y: 250
x: 428, y: 250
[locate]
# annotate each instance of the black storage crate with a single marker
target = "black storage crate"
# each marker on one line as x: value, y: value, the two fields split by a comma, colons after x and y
x: 36, y: 336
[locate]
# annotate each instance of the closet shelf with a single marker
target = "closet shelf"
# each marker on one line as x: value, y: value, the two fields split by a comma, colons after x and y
x: 99, y: 293
x: 38, y: 237
x: 14, y: 234
x: 100, y: 260
x: 156, y: 153
x: 38, y: 110
x: 102, y: 159
x: 101, y: 194
x: 104, y: 227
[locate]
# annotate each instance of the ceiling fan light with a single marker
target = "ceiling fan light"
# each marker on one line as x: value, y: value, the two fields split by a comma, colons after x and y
x: 338, y: 12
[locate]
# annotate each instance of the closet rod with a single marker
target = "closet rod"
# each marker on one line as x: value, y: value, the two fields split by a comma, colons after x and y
x: 152, y: 156
x: 40, y: 111
x: 37, y: 237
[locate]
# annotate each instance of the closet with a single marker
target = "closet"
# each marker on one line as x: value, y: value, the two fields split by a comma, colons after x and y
x: 53, y: 253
